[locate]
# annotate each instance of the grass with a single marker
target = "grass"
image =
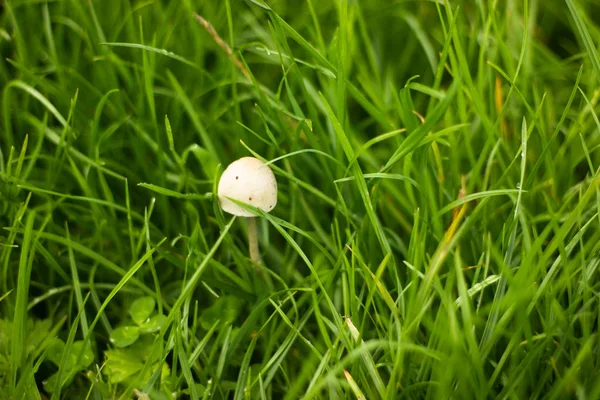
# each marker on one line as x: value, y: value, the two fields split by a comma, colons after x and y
x: 437, y: 230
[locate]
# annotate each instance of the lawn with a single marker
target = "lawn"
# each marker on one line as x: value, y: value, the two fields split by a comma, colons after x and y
x: 436, y: 233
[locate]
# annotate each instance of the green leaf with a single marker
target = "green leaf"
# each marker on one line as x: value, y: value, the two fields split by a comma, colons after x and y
x: 5, y: 295
x: 169, y: 134
x: 50, y: 383
x: 354, y: 387
x: 207, y: 160
x: 163, y: 393
x: 39, y: 331
x: 141, y: 309
x: 153, y: 324
x: 55, y: 350
x: 126, y: 364
x: 121, y: 364
x: 415, y: 138
x: 101, y: 387
x: 359, y: 176
x: 200, y: 388
x: 172, y: 193
x: 225, y: 310
x: 86, y: 359
x: 162, y: 52
x: 57, y: 347
x: 124, y: 336
x: 142, y: 349
x: 585, y: 36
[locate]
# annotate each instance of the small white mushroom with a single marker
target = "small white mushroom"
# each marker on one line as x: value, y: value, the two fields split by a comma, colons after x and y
x: 250, y: 181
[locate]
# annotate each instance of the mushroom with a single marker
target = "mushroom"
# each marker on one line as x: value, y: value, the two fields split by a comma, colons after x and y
x: 251, y: 181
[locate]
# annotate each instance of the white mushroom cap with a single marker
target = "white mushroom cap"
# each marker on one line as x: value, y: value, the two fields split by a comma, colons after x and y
x: 250, y: 181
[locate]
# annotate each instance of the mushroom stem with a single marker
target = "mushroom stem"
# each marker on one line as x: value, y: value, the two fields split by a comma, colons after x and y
x: 253, y: 240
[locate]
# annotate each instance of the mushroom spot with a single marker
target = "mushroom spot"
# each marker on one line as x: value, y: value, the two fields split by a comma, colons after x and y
x: 236, y: 177
x: 250, y: 198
